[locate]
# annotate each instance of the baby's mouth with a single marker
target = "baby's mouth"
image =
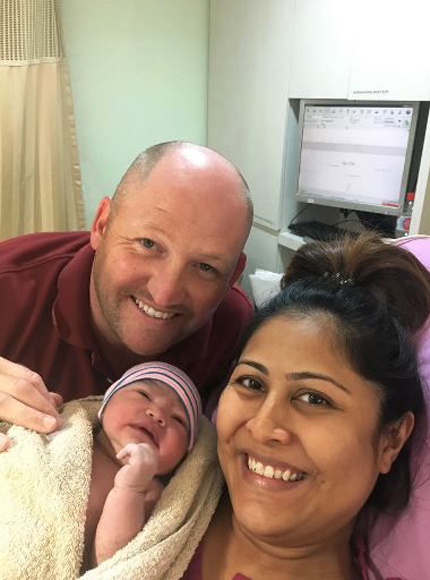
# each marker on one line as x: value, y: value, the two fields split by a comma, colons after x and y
x: 149, y: 434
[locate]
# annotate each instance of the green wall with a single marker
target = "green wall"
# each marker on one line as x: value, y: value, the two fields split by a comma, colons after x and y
x: 139, y: 76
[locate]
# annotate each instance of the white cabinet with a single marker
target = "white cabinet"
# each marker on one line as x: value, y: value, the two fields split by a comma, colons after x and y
x: 322, y: 49
x: 249, y: 59
x: 391, y: 58
x: 265, y: 55
x: 368, y: 50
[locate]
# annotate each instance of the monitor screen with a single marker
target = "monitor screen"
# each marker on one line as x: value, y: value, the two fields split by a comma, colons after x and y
x: 356, y: 156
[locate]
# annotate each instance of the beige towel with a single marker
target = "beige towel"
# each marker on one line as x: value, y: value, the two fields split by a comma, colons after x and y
x: 44, y: 487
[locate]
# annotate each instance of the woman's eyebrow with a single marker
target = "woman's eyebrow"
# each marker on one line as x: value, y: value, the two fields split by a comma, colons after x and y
x: 310, y: 375
x: 255, y: 365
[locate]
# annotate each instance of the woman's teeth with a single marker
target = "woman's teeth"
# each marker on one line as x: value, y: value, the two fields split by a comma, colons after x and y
x: 151, y: 312
x: 274, y: 473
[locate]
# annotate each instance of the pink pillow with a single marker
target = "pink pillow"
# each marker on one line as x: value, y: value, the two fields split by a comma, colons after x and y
x: 400, y: 546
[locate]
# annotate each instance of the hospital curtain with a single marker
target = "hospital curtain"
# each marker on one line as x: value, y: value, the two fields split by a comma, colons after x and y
x: 40, y: 185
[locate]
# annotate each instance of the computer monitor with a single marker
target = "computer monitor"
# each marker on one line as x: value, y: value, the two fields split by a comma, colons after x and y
x: 356, y: 155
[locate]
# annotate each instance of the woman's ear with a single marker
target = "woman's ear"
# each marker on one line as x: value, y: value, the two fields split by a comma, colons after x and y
x: 393, y: 437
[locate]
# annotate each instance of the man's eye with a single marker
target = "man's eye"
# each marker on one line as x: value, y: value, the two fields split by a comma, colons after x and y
x: 206, y: 267
x: 314, y: 399
x: 147, y: 243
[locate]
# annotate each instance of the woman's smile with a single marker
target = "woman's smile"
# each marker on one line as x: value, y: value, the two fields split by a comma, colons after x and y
x: 270, y: 472
x: 270, y: 476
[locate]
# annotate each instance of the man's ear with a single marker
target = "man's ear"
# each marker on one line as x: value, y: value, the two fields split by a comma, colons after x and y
x: 240, y: 267
x: 393, y: 438
x: 98, y: 227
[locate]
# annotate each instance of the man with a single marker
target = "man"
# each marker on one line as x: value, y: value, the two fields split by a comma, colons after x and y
x: 153, y: 280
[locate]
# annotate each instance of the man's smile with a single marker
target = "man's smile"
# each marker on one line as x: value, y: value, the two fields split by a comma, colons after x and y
x: 151, y: 312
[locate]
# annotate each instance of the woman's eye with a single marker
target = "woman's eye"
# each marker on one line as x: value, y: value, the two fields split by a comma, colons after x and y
x: 147, y: 243
x: 314, y: 399
x: 250, y: 383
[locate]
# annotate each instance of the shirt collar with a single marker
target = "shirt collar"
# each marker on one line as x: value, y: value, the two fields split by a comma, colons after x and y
x: 71, y: 311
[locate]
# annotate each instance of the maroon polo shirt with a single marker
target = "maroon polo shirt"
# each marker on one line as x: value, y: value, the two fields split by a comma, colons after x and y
x: 46, y: 320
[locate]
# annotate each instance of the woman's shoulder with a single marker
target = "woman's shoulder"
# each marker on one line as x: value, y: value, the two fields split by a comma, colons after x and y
x: 365, y: 564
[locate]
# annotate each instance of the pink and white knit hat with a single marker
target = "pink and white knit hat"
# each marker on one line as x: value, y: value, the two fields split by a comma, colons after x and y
x: 171, y: 376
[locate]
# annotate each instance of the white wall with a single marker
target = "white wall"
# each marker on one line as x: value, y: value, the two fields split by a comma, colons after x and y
x: 139, y: 76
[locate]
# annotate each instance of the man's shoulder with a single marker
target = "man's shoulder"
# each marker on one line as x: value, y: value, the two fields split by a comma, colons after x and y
x: 230, y: 319
x: 235, y: 306
x: 32, y: 250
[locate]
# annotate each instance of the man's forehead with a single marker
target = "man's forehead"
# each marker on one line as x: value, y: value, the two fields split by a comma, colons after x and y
x: 204, y: 233
x: 206, y: 208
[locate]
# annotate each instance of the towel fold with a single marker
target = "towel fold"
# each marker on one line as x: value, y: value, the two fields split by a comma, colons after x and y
x: 44, y: 489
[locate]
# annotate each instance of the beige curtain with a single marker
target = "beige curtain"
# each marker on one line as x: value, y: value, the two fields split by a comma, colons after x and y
x: 40, y: 184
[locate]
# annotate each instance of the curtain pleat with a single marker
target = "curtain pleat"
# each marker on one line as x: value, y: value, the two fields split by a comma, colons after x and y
x: 40, y: 182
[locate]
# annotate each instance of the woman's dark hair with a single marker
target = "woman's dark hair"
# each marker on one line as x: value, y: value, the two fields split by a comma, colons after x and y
x: 378, y: 296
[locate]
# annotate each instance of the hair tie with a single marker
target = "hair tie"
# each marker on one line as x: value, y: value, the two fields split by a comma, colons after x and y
x: 340, y: 278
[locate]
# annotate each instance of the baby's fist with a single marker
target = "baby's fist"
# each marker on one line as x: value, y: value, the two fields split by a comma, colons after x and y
x: 140, y: 465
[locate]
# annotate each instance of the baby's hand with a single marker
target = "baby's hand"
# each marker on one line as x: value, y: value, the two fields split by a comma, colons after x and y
x: 140, y: 465
x: 4, y: 442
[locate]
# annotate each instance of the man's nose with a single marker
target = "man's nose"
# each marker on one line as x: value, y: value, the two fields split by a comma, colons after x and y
x: 166, y: 284
x: 157, y: 415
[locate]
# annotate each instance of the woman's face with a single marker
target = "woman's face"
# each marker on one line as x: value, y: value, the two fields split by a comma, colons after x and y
x: 298, y: 434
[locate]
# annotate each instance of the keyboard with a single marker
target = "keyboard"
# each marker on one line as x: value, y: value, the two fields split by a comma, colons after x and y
x: 317, y: 230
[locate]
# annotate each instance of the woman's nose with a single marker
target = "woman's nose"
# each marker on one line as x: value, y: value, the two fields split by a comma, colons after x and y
x: 266, y: 426
x: 156, y: 415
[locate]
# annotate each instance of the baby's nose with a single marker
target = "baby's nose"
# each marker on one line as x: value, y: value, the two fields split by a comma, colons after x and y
x: 156, y: 415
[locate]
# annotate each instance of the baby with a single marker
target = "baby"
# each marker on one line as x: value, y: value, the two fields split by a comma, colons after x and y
x: 149, y: 420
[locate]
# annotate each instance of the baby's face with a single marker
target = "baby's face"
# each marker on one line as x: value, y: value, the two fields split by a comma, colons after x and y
x: 148, y: 411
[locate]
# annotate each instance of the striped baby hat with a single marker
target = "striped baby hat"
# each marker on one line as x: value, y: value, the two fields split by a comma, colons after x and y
x: 171, y: 376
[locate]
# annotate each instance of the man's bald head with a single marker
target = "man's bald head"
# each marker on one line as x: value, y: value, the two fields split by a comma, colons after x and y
x: 142, y: 166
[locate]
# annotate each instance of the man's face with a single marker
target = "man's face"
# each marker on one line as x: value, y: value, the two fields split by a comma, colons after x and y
x: 167, y: 256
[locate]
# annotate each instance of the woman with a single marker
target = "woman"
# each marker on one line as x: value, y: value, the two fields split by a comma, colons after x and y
x: 318, y: 422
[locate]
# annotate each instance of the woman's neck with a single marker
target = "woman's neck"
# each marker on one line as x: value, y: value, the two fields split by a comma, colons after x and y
x: 256, y: 558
